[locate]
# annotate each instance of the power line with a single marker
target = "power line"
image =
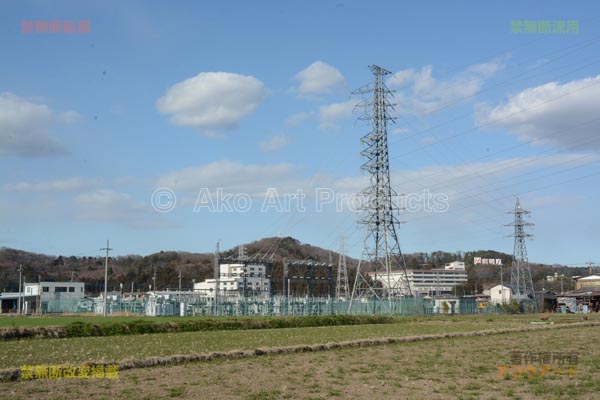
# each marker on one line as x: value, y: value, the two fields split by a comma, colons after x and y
x: 579, y: 67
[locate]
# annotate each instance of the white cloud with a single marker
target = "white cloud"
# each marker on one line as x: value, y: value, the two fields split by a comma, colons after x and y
x: 319, y: 78
x: 212, y: 100
x: 231, y: 176
x: 25, y: 128
x: 58, y: 185
x: 275, y: 143
x: 298, y: 119
x: 419, y: 93
x: 70, y: 117
x: 488, y: 69
x: 482, y: 175
x: 401, y: 78
x: 474, y: 196
x: 556, y: 200
x: 427, y: 140
x: 424, y: 83
x: 474, y: 178
x: 553, y: 114
x: 329, y: 115
x: 399, y: 131
x: 109, y: 206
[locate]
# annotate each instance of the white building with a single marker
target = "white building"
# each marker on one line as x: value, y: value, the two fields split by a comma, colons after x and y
x: 426, y: 282
x: 52, y: 296
x: 55, y: 290
x: 237, y: 279
x: 500, y: 294
x: 455, y: 266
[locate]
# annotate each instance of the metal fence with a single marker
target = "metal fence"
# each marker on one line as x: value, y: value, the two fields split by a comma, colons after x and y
x: 266, y: 306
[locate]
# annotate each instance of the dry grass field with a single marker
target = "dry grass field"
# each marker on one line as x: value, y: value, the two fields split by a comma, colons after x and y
x: 448, y: 368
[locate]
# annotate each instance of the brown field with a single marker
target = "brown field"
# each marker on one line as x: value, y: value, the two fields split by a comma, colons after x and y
x: 452, y: 368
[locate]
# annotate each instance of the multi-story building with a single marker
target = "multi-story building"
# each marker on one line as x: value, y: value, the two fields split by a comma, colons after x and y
x: 427, y: 282
x: 237, y: 279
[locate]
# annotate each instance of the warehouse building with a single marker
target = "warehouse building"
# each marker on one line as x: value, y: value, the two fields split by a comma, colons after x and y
x: 45, y: 297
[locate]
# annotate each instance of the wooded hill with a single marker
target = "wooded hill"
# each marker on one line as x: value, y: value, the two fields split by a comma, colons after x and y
x: 198, y: 266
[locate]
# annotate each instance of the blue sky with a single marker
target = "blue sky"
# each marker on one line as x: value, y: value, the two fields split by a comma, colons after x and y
x: 202, y: 98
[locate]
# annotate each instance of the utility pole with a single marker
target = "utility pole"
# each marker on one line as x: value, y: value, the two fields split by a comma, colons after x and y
x: 330, y: 262
x: 561, y: 283
x: 217, y: 273
x: 154, y: 279
x: 39, y: 296
x: 285, y: 283
x: 107, y: 248
x: 19, y: 298
x: 381, y: 249
x: 502, y: 283
x: 179, y: 292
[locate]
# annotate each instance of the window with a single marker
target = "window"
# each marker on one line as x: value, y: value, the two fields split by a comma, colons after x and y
x: 60, y: 289
x: 45, y: 289
x: 72, y: 289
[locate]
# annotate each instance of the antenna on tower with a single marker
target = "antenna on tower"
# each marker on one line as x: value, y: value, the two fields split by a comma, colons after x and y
x: 342, y: 288
x: 521, y: 284
x: 381, y: 273
x: 590, y: 265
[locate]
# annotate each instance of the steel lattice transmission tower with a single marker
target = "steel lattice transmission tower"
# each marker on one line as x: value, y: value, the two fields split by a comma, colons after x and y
x: 381, y: 272
x: 521, y: 284
x: 342, y: 290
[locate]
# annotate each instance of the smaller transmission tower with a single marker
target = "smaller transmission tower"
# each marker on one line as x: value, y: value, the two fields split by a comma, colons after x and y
x: 342, y: 290
x: 521, y: 284
x: 241, y: 252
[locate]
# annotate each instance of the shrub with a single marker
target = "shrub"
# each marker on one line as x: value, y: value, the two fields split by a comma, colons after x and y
x: 136, y: 327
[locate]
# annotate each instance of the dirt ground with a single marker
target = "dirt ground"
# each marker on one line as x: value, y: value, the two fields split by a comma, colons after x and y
x: 457, y: 368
